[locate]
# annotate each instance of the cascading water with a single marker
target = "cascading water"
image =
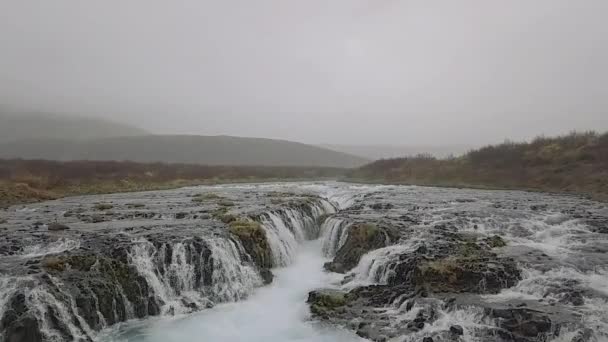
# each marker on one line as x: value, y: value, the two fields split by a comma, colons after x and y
x: 276, y: 313
x: 232, y: 279
x: 287, y: 229
x: 335, y: 232
x: 174, y: 263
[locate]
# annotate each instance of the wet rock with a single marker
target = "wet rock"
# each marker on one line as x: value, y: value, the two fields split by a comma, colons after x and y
x: 17, y: 323
x: 361, y: 239
x: 478, y: 275
x: 457, y: 330
x: 584, y: 335
x: 57, y: 227
x: 266, y: 275
x: 323, y: 302
x: 253, y: 237
x: 104, y: 206
x: 524, y: 324
x: 495, y: 241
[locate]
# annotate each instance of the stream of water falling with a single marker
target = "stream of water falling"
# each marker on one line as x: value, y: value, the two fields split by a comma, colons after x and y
x: 276, y: 313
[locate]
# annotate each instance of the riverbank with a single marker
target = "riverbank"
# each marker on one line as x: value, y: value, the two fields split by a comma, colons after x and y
x: 31, y: 181
x: 571, y: 164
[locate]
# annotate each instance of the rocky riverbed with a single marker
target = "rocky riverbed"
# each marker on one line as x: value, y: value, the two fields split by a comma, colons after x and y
x: 406, y: 263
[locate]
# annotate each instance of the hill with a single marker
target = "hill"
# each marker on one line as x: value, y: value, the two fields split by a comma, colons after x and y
x: 576, y: 163
x: 190, y: 149
x: 20, y: 125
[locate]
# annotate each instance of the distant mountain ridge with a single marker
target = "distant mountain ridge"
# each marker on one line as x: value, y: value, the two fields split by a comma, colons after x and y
x: 23, y: 125
x: 31, y: 135
x: 191, y: 149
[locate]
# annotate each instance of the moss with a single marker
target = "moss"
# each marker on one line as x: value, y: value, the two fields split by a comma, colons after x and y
x: 470, y: 249
x: 54, y: 264
x: 495, y: 241
x: 222, y: 214
x: 227, y: 218
x: 324, y: 302
x: 204, y: 197
x: 253, y: 238
x: 136, y: 205
x: 103, y: 206
x: 446, y: 269
x: 245, y: 228
x: 361, y: 239
x: 82, y: 262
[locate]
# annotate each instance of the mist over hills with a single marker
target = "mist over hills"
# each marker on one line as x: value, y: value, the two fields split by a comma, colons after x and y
x: 54, y: 137
x: 24, y: 125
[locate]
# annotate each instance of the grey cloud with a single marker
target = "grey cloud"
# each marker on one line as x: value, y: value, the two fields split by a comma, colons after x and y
x: 342, y: 71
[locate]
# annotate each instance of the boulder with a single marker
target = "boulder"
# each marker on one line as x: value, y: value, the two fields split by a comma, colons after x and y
x: 361, y: 239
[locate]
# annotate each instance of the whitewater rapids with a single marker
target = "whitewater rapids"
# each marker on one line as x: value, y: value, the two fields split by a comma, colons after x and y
x: 276, y: 313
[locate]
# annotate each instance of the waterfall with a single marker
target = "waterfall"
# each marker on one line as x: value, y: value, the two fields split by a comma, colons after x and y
x: 166, y: 286
x: 232, y: 280
x: 156, y: 276
x: 282, y: 240
x: 376, y: 267
x: 183, y: 279
x: 287, y: 228
x: 335, y: 232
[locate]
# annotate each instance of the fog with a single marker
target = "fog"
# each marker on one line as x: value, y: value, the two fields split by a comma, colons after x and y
x: 336, y: 72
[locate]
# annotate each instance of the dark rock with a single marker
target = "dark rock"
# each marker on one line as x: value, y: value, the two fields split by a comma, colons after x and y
x: 361, y: 239
x: 524, y: 323
x: 57, y: 227
x: 584, y: 335
x: 457, y: 330
x: 266, y: 275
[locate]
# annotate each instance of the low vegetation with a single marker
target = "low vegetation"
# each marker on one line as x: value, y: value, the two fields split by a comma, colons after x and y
x: 25, y: 181
x: 574, y: 163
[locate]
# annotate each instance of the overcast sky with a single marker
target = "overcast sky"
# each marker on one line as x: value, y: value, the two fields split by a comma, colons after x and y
x: 398, y: 72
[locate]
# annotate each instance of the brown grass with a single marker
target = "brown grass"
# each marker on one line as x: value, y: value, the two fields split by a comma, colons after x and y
x: 25, y: 181
x: 574, y: 163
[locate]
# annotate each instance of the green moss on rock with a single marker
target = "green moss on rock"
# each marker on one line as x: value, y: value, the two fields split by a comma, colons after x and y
x: 495, y: 241
x: 103, y: 206
x: 361, y: 239
x: 253, y: 238
x: 324, y: 302
x: 57, y: 264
